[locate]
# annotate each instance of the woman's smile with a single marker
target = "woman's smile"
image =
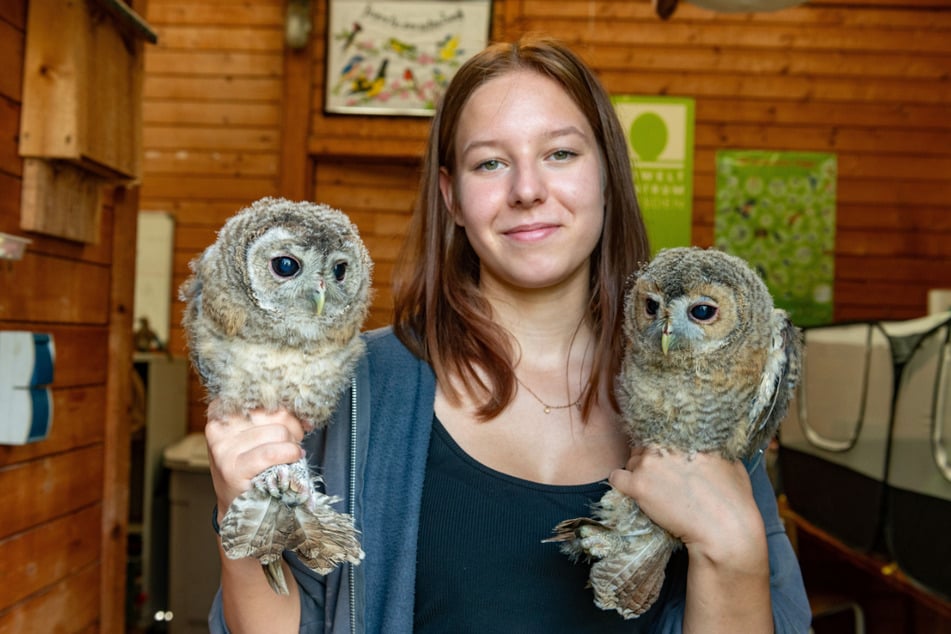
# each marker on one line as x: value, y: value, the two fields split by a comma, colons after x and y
x: 533, y: 232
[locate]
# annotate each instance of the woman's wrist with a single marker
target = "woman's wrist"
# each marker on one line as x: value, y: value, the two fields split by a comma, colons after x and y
x: 737, y: 543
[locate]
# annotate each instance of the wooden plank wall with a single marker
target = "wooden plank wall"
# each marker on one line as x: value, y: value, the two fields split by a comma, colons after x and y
x: 869, y: 81
x: 866, y: 79
x: 212, y: 124
x: 62, y: 539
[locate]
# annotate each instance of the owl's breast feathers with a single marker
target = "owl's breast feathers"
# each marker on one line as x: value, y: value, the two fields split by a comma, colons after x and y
x: 306, y: 382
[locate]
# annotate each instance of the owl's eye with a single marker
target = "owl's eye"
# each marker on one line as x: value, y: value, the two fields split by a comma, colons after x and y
x: 285, y: 266
x: 340, y: 270
x: 703, y: 312
x: 652, y: 307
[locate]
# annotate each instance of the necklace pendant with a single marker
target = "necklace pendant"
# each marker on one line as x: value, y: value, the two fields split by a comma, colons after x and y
x: 547, y: 410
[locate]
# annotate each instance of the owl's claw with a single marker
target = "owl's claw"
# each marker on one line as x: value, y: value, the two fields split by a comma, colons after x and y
x: 292, y: 484
x: 597, y: 541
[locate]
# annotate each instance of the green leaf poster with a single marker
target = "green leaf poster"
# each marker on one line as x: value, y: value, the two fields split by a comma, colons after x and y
x: 660, y: 139
x: 776, y: 210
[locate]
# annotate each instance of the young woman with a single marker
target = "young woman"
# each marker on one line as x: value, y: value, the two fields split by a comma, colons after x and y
x: 486, y: 415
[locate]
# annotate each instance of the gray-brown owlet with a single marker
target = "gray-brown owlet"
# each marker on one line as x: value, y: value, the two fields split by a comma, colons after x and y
x: 709, y: 366
x: 273, y: 317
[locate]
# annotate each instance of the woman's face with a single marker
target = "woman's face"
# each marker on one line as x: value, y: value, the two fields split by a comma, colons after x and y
x: 527, y: 182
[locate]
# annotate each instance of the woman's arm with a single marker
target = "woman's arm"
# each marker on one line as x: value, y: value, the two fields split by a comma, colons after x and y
x: 729, y: 533
x: 239, y: 449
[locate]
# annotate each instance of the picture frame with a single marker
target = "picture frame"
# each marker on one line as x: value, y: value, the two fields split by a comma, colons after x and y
x: 396, y: 57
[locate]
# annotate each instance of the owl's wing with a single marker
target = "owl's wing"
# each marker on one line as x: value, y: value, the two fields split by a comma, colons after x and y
x: 631, y: 552
x: 256, y: 525
x: 780, y: 377
x: 322, y: 537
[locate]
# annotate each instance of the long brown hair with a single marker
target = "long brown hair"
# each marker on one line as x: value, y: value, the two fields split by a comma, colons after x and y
x: 440, y: 313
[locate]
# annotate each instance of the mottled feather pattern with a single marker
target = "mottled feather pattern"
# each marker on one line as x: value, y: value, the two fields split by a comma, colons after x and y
x: 710, y: 365
x: 273, y: 315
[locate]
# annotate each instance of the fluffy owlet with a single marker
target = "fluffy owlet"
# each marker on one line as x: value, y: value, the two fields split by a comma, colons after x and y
x: 709, y: 366
x: 273, y: 317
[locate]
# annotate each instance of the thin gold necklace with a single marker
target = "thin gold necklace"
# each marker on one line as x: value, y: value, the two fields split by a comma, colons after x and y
x: 548, y: 407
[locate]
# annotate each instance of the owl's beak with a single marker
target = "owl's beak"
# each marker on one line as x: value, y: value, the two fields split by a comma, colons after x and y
x: 319, y: 296
x: 665, y: 337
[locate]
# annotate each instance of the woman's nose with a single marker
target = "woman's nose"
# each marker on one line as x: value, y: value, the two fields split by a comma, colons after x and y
x: 528, y: 187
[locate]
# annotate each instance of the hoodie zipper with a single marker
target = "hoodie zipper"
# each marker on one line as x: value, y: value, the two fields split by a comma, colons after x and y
x: 351, y: 504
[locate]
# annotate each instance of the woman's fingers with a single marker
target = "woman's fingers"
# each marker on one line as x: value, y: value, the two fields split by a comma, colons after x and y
x: 240, y: 447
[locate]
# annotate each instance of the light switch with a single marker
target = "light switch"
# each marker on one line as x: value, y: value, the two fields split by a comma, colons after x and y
x: 26, y: 374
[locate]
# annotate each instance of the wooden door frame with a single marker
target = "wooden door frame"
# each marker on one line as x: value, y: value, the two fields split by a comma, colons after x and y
x: 115, y: 495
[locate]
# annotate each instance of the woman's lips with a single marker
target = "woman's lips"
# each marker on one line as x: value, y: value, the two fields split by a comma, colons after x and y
x: 531, y: 232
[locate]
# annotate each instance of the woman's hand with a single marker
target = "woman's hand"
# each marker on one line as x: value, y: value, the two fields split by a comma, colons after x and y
x: 703, y: 499
x: 708, y: 503
x: 240, y: 447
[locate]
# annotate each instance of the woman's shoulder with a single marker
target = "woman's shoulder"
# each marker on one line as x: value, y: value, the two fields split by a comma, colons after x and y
x: 397, y: 380
x: 383, y: 343
x: 386, y: 353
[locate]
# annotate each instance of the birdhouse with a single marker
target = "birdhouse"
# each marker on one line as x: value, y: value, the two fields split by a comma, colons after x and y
x: 80, y: 127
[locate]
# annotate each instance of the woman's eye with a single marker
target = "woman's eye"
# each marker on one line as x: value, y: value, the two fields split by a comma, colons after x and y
x: 340, y: 271
x: 562, y: 155
x: 490, y: 166
x: 703, y: 312
x: 652, y: 307
x: 285, y: 266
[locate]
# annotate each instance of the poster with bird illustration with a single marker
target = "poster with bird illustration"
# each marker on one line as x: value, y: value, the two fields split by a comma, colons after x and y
x: 397, y: 57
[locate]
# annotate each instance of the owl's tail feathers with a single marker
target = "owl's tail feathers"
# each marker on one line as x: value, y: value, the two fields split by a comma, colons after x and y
x: 252, y: 527
x: 629, y: 567
x: 274, y: 573
x: 263, y: 526
x: 630, y: 582
x: 322, y: 537
x: 581, y: 537
x: 630, y: 553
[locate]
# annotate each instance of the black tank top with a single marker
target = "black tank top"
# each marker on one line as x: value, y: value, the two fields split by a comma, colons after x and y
x: 482, y: 566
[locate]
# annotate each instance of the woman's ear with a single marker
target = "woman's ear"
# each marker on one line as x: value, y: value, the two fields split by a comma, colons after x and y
x: 446, y: 189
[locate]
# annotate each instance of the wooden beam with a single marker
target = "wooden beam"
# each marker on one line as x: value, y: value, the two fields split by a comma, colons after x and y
x: 115, y: 494
x: 294, y: 175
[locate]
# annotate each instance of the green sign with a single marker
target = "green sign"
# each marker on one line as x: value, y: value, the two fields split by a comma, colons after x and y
x: 660, y: 139
x: 776, y: 210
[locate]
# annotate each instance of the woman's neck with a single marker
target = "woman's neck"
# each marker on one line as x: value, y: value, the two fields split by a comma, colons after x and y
x: 550, y: 326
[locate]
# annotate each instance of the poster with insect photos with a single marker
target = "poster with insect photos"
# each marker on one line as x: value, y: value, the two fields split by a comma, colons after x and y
x: 397, y: 57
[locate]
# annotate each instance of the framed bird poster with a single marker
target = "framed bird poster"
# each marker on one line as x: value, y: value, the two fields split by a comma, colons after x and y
x: 397, y: 57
